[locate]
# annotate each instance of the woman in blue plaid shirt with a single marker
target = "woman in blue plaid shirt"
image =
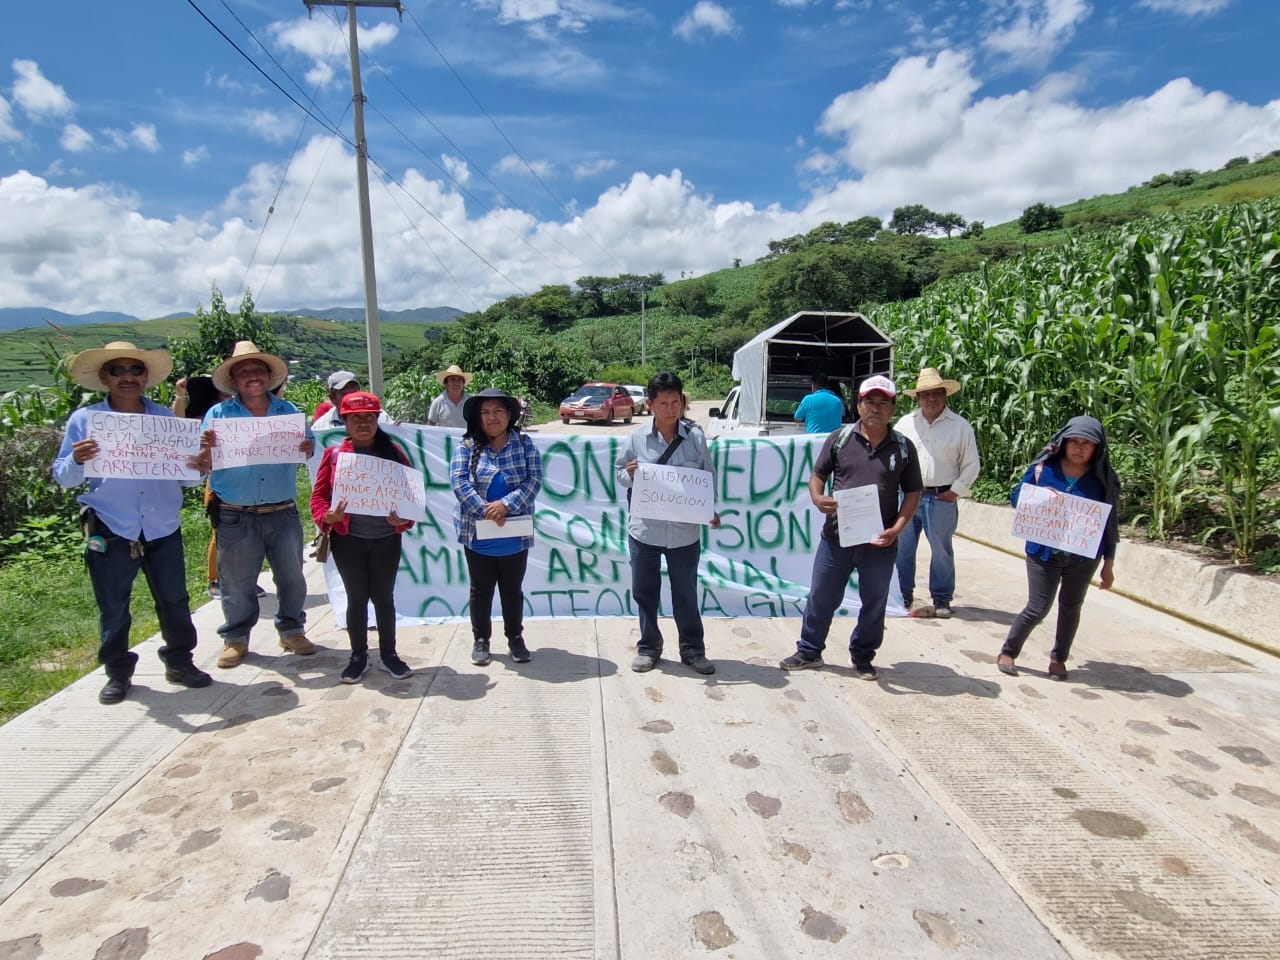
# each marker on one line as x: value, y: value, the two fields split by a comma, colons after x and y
x: 496, y: 473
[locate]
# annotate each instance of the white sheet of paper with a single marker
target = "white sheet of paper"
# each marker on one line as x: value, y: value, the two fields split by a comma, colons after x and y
x: 1061, y: 520
x: 142, y: 446
x: 660, y: 491
x: 373, y: 487
x: 512, y: 527
x: 858, y: 517
x: 243, y: 441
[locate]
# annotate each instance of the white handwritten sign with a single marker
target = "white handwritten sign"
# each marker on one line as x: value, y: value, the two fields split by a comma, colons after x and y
x: 243, y: 441
x: 374, y: 487
x: 142, y: 446
x: 1060, y: 520
x: 858, y: 518
x: 664, y: 492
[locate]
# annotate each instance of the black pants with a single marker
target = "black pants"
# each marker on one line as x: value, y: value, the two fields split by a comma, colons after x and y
x: 505, y: 573
x: 368, y: 570
x: 1067, y: 576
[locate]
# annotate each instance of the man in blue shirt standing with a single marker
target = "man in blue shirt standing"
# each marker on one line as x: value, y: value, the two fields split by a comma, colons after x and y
x: 132, y: 524
x: 822, y: 411
x: 256, y: 512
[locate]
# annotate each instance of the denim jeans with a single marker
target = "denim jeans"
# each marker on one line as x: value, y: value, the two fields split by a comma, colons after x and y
x: 244, y: 541
x: 507, y: 575
x: 832, y: 566
x: 368, y: 570
x: 646, y: 589
x: 1067, y: 576
x: 112, y: 574
x: 938, y: 519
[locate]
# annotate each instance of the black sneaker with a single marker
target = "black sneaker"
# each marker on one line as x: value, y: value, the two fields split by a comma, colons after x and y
x: 114, y: 691
x: 395, y: 666
x: 519, y: 651
x: 798, y: 661
x: 356, y: 668
x: 187, y: 674
x: 699, y: 664
x: 480, y: 653
x: 865, y: 671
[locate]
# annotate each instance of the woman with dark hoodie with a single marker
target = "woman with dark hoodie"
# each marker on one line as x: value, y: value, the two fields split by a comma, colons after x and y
x: 365, y: 549
x: 1075, y: 461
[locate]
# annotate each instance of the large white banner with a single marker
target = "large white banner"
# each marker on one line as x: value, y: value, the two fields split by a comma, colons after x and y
x: 757, y: 564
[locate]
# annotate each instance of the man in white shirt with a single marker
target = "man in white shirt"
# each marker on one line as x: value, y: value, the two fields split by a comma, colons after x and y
x: 949, y: 465
x: 446, y: 409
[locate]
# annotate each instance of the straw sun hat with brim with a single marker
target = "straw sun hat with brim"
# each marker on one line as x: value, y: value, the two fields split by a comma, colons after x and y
x: 453, y: 371
x: 248, y: 350
x: 85, y: 365
x: 930, y: 379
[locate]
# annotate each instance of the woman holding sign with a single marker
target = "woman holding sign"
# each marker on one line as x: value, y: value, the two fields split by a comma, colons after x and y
x: 1074, y: 462
x: 366, y: 549
x: 496, y: 473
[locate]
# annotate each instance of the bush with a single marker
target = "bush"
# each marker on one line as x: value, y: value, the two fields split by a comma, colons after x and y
x: 27, y: 487
x: 1236, y: 162
x: 1040, y: 217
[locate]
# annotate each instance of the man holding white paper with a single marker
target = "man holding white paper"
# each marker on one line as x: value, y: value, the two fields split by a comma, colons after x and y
x: 256, y: 513
x: 872, y: 464
x: 675, y: 441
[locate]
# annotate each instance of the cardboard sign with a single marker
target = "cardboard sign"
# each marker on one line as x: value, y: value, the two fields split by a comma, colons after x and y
x: 1060, y: 520
x: 246, y: 441
x: 374, y: 487
x: 664, y: 492
x: 858, y: 518
x: 142, y: 446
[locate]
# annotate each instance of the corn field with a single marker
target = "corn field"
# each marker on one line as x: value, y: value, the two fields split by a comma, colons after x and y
x: 1165, y: 330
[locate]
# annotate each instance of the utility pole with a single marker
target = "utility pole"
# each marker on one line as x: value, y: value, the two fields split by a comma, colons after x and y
x: 643, y: 359
x: 373, y: 337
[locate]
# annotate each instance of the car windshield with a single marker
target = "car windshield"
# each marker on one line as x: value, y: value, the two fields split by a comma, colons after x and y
x: 594, y: 393
x: 636, y: 391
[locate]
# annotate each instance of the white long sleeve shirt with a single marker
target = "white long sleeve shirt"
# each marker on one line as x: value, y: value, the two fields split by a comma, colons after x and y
x: 947, y: 448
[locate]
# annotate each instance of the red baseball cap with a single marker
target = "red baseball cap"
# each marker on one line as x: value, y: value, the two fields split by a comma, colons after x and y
x: 359, y: 402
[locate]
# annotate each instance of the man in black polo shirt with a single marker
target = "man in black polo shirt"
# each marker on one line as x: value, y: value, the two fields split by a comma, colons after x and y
x: 869, y: 453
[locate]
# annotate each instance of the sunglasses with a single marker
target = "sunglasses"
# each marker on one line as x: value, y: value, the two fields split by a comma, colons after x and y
x: 133, y: 369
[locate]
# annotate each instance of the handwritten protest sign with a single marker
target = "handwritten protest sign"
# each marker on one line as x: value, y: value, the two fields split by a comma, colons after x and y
x: 259, y: 440
x: 1060, y: 520
x: 374, y: 487
x: 858, y: 518
x: 664, y: 492
x: 142, y: 446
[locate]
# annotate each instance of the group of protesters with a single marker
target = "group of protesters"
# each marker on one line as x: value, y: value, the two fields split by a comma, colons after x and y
x: 914, y: 470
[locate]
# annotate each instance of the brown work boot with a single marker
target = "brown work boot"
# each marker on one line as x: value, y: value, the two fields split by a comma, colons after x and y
x: 297, y: 643
x: 232, y: 654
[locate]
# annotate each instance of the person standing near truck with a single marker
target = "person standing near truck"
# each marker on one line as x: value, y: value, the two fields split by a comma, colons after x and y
x: 822, y: 411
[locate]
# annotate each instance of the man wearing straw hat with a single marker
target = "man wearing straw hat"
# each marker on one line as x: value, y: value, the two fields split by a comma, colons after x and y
x: 256, y: 512
x: 130, y: 524
x: 949, y: 465
x: 446, y: 409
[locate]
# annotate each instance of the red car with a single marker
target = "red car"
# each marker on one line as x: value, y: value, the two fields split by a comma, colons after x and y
x: 605, y: 402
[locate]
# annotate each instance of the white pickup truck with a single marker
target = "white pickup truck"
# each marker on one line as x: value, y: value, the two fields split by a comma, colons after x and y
x: 773, y: 370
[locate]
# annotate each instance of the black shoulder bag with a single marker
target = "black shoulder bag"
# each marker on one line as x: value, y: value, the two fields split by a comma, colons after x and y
x: 666, y: 455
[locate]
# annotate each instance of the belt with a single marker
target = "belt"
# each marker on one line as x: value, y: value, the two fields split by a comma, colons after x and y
x: 260, y: 507
x: 942, y: 489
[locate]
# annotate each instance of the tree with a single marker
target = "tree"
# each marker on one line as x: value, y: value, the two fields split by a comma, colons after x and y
x: 1236, y: 162
x: 946, y: 222
x: 914, y: 218
x: 1040, y: 217
x: 217, y: 332
x: 974, y: 230
x: 831, y: 278
x: 1183, y: 178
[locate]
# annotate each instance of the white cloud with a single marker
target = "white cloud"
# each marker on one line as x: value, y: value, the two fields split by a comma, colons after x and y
x: 117, y: 138
x: 8, y: 132
x: 38, y: 96
x: 143, y: 136
x: 1186, y: 8
x: 195, y: 155
x: 1032, y: 31
x: 75, y: 138
x: 320, y: 39
x: 458, y: 169
x: 705, y: 17
x: 591, y: 168
x: 512, y: 164
x: 270, y: 125
x: 573, y: 16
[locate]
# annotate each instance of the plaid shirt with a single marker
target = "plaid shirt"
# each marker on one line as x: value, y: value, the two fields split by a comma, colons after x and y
x: 521, y: 464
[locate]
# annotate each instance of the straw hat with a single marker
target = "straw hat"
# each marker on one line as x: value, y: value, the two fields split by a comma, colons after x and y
x: 930, y: 379
x: 85, y: 365
x: 453, y: 371
x: 248, y: 350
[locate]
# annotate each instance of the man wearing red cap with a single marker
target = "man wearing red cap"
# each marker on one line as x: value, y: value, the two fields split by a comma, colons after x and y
x: 868, y: 453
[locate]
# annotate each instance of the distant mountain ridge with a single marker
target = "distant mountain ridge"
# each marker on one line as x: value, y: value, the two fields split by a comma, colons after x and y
x: 16, y: 318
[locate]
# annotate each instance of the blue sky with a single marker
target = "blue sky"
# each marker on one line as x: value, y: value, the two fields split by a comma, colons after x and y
x: 525, y: 142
